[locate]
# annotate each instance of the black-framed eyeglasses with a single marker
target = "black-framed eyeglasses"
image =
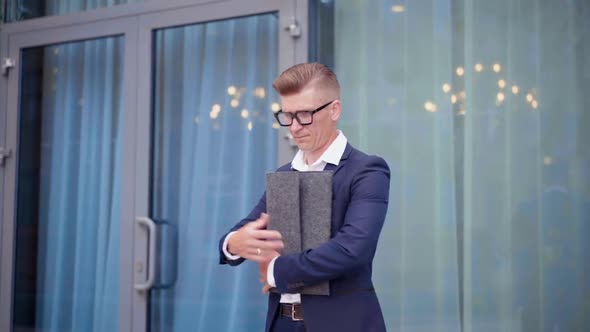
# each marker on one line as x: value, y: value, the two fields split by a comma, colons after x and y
x: 285, y: 119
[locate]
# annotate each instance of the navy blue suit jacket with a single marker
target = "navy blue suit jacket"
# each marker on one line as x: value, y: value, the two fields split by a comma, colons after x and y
x: 360, y: 198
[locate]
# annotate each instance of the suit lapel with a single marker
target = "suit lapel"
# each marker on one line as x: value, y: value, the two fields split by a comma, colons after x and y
x: 343, y: 160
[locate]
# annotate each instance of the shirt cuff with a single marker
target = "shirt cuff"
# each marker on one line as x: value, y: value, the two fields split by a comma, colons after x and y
x: 270, y: 275
x: 225, y: 251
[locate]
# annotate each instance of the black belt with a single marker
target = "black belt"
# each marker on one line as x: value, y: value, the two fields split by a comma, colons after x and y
x: 295, y: 310
x: 292, y: 310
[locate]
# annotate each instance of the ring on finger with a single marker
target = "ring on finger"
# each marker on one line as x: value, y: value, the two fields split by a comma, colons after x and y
x: 258, y: 251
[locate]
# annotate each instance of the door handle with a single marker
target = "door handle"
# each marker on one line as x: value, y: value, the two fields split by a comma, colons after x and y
x: 4, y: 153
x: 152, y: 230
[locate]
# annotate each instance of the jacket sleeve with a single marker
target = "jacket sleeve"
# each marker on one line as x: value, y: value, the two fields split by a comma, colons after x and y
x: 254, y: 214
x: 355, y: 242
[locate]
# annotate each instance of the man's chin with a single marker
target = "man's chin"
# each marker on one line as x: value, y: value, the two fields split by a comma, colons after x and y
x: 301, y: 145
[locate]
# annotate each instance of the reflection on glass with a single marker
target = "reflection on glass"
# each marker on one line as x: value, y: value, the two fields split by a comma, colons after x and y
x: 275, y: 107
x: 446, y: 87
x: 547, y: 160
x: 398, y: 8
x: 67, y: 242
x: 244, y: 113
x: 430, y: 106
x: 481, y: 234
x: 515, y: 89
x: 460, y: 71
x: 529, y: 97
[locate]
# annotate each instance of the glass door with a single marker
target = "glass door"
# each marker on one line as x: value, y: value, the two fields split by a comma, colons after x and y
x: 61, y: 230
x: 212, y: 139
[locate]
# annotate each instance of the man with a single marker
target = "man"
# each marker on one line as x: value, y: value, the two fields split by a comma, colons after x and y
x: 310, y: 99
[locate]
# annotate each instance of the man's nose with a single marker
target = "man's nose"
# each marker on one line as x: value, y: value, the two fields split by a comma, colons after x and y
x: 295, y: 126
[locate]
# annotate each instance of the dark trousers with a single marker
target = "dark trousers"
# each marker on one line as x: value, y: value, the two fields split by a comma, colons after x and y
x: 286, y: 324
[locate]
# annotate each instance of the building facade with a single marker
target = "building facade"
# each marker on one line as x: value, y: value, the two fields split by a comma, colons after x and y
x: 133, y: 134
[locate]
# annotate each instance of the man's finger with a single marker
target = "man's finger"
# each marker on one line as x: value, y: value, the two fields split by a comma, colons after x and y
x: 264, y: 219
x: 265, y: 246
x: 266, y: 288
x: 267, y: 249
x: 263, y: 234
x: 260, y: 223
x: 276, y: 245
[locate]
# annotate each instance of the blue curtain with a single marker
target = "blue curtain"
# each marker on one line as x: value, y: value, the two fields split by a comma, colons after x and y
x: 480, y: 108
x: 213, y: 140
x: 79, y: 186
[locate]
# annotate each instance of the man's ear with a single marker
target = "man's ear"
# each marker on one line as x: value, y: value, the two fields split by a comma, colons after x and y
x: 335, y: 110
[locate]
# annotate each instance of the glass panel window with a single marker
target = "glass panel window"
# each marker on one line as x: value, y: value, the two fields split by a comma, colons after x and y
x: 482, y: 110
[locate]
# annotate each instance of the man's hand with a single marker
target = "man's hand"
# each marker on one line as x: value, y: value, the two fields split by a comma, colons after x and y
x: 254, y: 242
x: 266, y: 288
x: 263, y: 269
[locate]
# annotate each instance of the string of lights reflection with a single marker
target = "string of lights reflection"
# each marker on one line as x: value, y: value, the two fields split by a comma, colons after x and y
x: 501, y: 95
x: 236, y: 94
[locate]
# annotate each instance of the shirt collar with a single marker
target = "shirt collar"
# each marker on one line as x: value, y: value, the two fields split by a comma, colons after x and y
x: 332, y: 155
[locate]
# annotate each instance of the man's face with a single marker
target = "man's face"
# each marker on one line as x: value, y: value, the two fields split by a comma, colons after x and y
x: 317, y: 135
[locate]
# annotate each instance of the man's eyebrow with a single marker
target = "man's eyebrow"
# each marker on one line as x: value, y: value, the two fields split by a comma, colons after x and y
x: 304, y: 110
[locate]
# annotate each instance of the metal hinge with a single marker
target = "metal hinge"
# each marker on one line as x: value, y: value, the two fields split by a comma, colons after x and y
x: 4, y: 153
x: 293, y: 28
x: 7, y: 64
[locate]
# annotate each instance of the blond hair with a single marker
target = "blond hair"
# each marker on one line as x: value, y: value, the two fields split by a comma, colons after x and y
x: 296, y: 78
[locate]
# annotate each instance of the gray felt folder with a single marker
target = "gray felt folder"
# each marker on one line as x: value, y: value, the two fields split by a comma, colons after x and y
x: 300, y: 207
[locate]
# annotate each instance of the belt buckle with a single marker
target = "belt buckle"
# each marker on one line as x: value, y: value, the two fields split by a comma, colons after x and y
x: 293, y: 314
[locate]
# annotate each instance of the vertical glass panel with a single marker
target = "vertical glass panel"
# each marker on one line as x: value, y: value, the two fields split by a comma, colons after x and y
x: 481, y: 109
x: 392, y: 58
x: 20, y: 10
x: 67, y: 245
x: 529, y: 157
x: 213, y: 140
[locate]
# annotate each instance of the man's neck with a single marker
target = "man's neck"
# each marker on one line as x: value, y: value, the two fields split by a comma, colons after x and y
x: 312, y: 156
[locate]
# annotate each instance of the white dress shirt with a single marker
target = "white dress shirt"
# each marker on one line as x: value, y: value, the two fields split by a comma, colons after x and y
x: 332, y: 155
